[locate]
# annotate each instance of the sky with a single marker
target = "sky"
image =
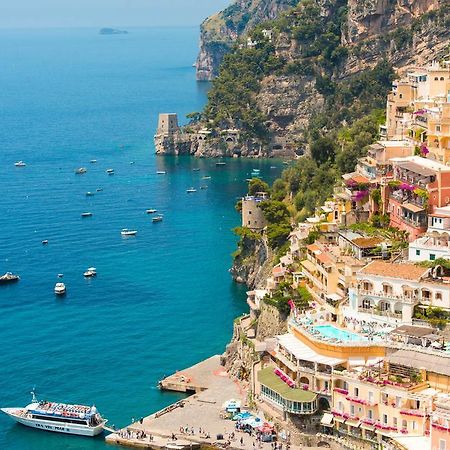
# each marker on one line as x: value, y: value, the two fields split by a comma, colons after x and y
x: 105, y: 13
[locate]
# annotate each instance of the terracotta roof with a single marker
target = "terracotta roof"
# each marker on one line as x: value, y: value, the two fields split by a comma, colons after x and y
x: 405, y: 271
x: 324, y: 258
x: 278, y: 270
x: 313, y: 248
x: 367, y: 242
x: 359, y: 179
x: 412, y: 208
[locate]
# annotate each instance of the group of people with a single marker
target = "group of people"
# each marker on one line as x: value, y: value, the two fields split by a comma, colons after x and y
x: 130, y: 434
x: 191, y: 430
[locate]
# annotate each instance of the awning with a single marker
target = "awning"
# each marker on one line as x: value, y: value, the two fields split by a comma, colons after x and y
x: 339, y: 419
x: 309, y: 266
x: 353, y: 423
x: 412, y: 208
x: 356, y: 361
x: 327, y: 420
x: 374, y: 360
x: 368, y: 427
x: 303, y: 352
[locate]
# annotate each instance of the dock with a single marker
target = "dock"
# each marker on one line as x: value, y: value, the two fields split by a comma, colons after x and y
x: 192, y: 422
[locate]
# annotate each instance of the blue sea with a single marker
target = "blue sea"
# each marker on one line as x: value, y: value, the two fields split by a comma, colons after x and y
x: 162, y: 300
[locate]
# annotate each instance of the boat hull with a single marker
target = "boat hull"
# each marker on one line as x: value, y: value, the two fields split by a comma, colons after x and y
x: 48, y: 425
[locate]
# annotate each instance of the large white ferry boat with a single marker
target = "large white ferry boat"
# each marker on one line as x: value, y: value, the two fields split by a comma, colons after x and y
x: 59, y: 417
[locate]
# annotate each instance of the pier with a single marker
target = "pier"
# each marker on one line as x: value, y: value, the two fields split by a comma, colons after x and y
x: 211, y: 387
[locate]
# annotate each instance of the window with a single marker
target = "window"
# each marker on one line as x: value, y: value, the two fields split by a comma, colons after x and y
x: 385, y: 419
x: 370, y: 397
x: 438, y: 128
x: 398, y: 402
x: 442, y: 444
x: 352, y: 410
x: 345, y: 385
x: 432, y: 256
x: 356, y: 392
x: 417, y: 252
x: 438, y: 296
x: 249, y: 212
x: 370, y: 414
x: 414, y: 425
x: 404, y: 424
x: 341, y: 406
x: 394, y: 422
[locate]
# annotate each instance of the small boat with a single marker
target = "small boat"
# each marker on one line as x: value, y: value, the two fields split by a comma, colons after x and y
x: 191, y: 190
x: 172, y: 445
x: 60, y: 275
x: 60, y: 288
x: 206, y: 177
x: 221, y: 163
x: 86, y: 214
x: 93, y: 161
x: 273, y: 167
x: 151, y: 211
x: 19, y: 164
x: 157, y: 218
x: 203, y: 187
x: 256, y: 170
x: 80, y: 171
x: 99, y: 189
x: 91, y: 272
x: 131, y: 162
x: 160, y: 172
x: 59, y: 417
x: 9, y: 277
x: 196, y: 169
x: 45, y: 242
x: 89, y: 194
x: 110, y: 171
x: 127, y: 232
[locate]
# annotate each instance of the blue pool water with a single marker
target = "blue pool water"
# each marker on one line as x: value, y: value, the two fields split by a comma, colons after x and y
x: 162, y: 300
x: 330, y: 331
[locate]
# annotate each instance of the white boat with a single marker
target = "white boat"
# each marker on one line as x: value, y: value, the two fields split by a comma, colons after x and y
x: 45, y: 242
x: 89, y: 194
x: 60, y: 288
x: 99, y: 189
x: 90, y: 272
x: 161, y: 172
x: 110, y: 171
x: 86, y: 214
x: 93, y: 161
x: 206, y: 177
x: 20, y: 164
x: 80, y: 171
x: 9, y: 277
x: 127, y: 232
x: 151, y: 211
x: 221, y: 163
x: 157, y: 218
x: 196, y: 169
x: 191, y: 190
x: 59, y: 417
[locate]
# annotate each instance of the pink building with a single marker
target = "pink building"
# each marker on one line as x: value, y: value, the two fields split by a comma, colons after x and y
x: 440, y: 427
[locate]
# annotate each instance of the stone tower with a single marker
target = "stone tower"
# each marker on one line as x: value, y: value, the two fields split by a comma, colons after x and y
x: 167, y: 124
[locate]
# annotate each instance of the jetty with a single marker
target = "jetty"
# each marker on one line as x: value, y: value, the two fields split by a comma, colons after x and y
x: 194, y: 421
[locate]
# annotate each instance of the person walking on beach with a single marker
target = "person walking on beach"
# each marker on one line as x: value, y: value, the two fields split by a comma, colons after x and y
x: 242, y: 440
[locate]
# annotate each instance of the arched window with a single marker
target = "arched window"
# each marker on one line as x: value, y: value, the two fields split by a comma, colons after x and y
x: 366, y: 303
x: 387, y: 289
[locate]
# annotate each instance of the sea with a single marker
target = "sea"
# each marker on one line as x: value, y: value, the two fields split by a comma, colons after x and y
x: 162, y: 300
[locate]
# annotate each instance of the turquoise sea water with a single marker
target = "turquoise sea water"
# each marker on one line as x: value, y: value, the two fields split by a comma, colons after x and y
x: 162, y: 300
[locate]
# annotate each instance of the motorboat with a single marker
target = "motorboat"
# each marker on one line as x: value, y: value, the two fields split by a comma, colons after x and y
x: 19, y: 164
x: 45, y: 242
x: 60, y: 288
x: 86, y: 214
x: 160, y: 172
x: 131, y: 162
x: 80, y: 171
x: 9, y: 277
x: 93, y: 161
x: 157, y: 218
x: 221, y: 163
x: 151, y: 211
x: 127, y: 232
x: 89, y: 194
x: 110, y: 171
x: 191, y: 190
x: 99, y: 189
x: 203, y: 187
x: 58, y: 417
x: 90, y: 272
x: 206, y: 177
x: 196, y: 169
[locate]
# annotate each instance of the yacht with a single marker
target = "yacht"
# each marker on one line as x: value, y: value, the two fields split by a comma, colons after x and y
x: 91, y: 272
x: 80, y: 171
x: 110, y: 171
x: 151, y: 211
x: 127, y: 232
x: 9, y: 277
x: 160, y: 172
x: 20, y: 164
x: 86, y: 214
x: 59, y: 417
x: 60, y: 288
x: 157, y: 218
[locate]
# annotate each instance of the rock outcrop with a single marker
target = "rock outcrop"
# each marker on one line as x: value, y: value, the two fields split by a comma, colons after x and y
x: 219, y: 32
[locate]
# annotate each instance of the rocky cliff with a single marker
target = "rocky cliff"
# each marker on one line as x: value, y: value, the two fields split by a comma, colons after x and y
x: 219, y: 32
x: 311, y: 51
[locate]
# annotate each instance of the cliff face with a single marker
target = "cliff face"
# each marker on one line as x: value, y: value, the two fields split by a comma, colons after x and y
x: 219, y: 32
x: 403, y: 32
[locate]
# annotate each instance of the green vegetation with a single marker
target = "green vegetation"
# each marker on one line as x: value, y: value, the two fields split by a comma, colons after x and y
x: 444, y: 263
x: 279, y: 223
x: 256, y: 185
x: 436, y: 317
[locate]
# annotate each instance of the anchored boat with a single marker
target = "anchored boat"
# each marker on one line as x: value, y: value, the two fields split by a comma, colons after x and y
x: 127, y: 232
x: 59, y: 417
x: 9, y: 277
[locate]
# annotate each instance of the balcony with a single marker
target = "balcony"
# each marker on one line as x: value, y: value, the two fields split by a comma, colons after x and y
x: 376, y: 312
x: 389, y: 295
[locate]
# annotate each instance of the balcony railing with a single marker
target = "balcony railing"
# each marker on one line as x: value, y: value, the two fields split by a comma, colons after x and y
x: 376, y: 312
x: 389, y: 295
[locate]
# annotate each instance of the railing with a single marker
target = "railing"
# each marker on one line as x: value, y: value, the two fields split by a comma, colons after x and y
x: 376, y: 312
x: 404, y: 298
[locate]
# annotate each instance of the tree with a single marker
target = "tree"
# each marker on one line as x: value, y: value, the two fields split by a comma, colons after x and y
x: 256, y: 185
x: 275, y: 211
x: 323, y: 149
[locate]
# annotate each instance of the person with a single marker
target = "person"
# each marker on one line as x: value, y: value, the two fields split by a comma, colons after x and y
x: 141, y: 420
x: 242, y: 440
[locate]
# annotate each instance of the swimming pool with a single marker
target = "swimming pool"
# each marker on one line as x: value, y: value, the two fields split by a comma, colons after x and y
x: 330, y: 331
